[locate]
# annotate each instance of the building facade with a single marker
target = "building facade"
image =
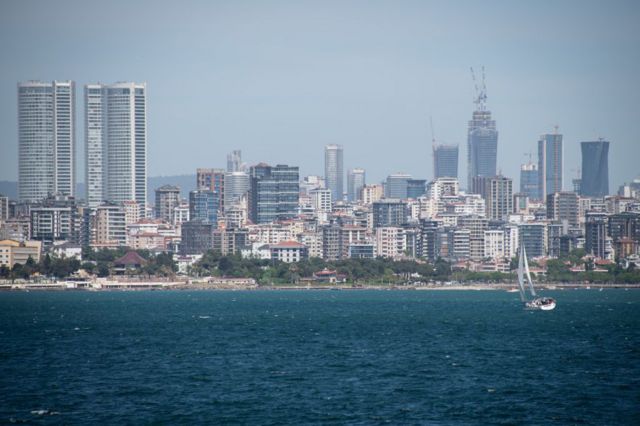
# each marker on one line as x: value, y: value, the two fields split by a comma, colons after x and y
x: 167, y: 199
x: 550, y: 164
x: 595, y: 169
x: 356, y: 180
x: 46, y: 139
x: 116, y: 143
x: 445, y: 161
x: 482, y: 145
x: 334, y: 171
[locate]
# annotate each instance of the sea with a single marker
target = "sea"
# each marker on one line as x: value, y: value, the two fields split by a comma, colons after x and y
x: 318, y: 357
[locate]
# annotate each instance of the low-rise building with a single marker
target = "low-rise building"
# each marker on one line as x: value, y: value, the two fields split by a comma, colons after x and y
x: 12, y: 252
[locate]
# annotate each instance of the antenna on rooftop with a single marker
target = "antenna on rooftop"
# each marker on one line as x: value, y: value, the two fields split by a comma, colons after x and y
x: 433, y: 135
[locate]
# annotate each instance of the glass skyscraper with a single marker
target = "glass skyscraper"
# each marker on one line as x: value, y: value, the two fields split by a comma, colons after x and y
x: 549, y: 164
x: 274, y: 193
x: 529, y: 181
x: 46, y: 139
x: 595, y: 168
x: 203, y: 206
x: 333, y: 170
x: 482, y: 145
x: 445, y: 161
x: 116, y: 143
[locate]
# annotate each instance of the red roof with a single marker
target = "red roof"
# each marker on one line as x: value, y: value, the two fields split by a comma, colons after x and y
x: 131, y: 258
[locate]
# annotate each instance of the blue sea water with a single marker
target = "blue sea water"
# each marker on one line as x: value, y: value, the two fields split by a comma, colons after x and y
x: 318, y: 357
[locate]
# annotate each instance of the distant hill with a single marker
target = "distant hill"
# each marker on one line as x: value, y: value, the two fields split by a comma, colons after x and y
x: 185, y: 182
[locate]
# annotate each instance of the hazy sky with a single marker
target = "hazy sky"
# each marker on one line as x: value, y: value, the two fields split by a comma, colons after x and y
x: 280, y: 80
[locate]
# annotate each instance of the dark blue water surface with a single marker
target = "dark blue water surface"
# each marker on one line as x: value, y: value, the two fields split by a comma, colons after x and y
x: 363, y: 357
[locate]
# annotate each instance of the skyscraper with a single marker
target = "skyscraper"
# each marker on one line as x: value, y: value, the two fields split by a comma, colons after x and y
x: 333, y: 170
x: 116, y: 143
x: 529, y: 181
x: 549, y: 164
x: 595, y: 168
x: 482, y: 141
x: 236, y: 184
x: 356, y: 180
x: 46, y: 139
x: 234, y: 161
x: 445, y: 161
x: 212, y: 179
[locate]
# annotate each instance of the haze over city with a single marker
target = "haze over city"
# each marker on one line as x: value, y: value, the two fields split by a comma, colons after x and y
x: 280, y: 80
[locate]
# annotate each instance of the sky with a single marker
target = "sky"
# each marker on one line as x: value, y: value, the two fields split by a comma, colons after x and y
x: 280, y: 80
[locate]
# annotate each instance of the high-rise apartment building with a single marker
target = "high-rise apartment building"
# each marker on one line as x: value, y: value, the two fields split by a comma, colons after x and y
x: 549, y: 164
x: 116, y: 143
x: 595, y: 168
x: 46, y: 139
x: 333, y: 170
x: 167, y: 199
x: 499, y: 197
x: 445, y: 161
x: 356, y: 180
x: 563, y: 206
x: 529, y: 181
x: 482, y: 144
x: 274, y: 192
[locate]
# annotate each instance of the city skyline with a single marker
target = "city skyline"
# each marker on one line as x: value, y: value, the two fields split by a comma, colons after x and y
x: 586, y: 107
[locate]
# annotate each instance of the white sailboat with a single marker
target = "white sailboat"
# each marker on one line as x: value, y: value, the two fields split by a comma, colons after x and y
x: 536, y: 303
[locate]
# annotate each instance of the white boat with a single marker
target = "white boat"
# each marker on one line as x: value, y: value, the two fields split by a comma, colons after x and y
x: 536, y: 303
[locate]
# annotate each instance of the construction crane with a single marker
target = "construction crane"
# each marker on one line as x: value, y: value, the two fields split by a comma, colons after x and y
x: 481, y: 92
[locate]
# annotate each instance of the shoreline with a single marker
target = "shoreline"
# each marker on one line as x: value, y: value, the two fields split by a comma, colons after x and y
x: 184, y: 286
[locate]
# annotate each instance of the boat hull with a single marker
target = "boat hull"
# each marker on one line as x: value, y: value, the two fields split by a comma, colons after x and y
x: 541, y: 304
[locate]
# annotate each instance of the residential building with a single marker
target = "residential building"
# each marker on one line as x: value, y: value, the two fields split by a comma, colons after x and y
x: 499, y: 197
x: 334, y: 171
x: 563, y: 206
x: 389, y: 212
x: 534, y: 238
x: 289, y: 252
x: 390, y: 242
x: 595, y: 168
x: 595, y: 234
x: 197, y: 237
x: 213, y: 180
x: 116, y: 143
x: 372, y: 193
x: 167, y: 199
x: 4, y: 207
x: 46, y: 139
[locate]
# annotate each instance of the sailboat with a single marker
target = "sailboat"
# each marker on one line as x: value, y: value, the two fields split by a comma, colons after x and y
x: 536, y: 303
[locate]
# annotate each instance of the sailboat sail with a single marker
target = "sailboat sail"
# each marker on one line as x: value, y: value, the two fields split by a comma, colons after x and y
x: 526, y: 267
x: 521, y: 277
